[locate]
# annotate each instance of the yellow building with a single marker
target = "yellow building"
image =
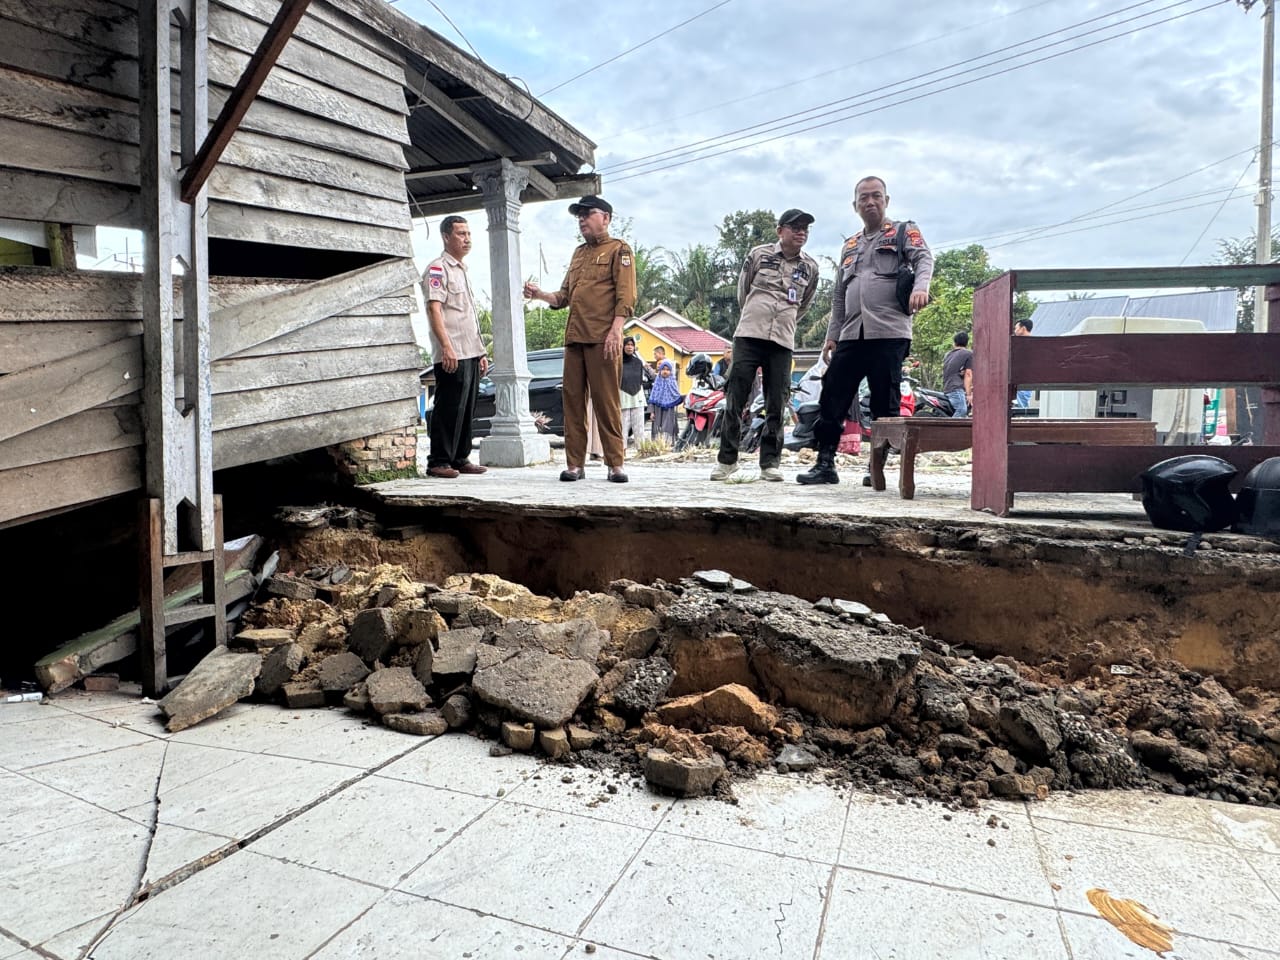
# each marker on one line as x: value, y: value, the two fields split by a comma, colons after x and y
x: 682, y: 339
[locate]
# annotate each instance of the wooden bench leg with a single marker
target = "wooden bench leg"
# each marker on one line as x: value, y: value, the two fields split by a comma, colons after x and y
x: 879, y: 453
x: 907, y: 467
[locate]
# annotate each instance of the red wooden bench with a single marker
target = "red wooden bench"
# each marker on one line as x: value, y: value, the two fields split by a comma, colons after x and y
x: 912, y: 435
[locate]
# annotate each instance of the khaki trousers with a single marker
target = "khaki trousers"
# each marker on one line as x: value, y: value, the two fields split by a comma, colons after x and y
x: 588, y: 374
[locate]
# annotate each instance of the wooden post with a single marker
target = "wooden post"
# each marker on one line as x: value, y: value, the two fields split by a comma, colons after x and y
x: 213, y: 574
x: 993, y: 341
x: 1271, y: 393
x: 151, y: 635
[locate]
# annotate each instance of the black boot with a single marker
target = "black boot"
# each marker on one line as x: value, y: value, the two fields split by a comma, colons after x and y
x: 824, y: 471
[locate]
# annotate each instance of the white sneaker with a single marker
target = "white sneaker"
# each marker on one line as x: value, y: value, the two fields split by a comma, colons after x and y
x: 724, y: 471
x: 771, y: 473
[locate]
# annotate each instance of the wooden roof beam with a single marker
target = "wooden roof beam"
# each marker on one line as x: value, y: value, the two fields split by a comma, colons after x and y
x: 247, y: 87
x: 430, y: 95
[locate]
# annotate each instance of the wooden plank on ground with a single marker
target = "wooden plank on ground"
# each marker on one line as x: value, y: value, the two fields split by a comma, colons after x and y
x: 231, y: 410
x: 257, y: 373
x: 40, y: 395
x: 255, y: 442
x: 39, y: 488
x: 236, y: 328
x: 91, y: 431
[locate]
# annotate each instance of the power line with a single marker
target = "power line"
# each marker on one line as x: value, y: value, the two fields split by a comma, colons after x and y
x: 455, y: 28
x: 866, y: 96
x: 642, y: 43
x: 834, y: 70
x: 1218, y: 211
x: 850, y: 116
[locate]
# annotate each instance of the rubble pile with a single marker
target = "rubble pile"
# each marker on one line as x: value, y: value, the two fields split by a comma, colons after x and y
x: 695, y: 683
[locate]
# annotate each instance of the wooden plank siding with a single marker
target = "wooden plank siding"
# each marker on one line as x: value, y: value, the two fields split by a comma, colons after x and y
x: 317, y: 163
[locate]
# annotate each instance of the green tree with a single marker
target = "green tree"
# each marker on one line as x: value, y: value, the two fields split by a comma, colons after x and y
x: 653, y: 277
x: 1240, y: 250
x: 742, y: 230
x: 544, y: 327
x: 698, y: 286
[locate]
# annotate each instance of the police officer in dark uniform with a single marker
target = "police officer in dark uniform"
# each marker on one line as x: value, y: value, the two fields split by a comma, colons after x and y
x: 869, y: 334
x: 600, y: 291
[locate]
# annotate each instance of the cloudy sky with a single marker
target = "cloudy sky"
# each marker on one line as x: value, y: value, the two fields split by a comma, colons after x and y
x: 1017, y: 124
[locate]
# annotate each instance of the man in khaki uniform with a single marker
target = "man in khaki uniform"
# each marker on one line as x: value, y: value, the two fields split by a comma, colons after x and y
x: 459, y: 353
x: 775, y: 287
x: 600, y: 292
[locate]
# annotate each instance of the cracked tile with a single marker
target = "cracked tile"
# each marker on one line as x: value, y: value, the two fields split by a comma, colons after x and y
x: 32, y: 808
x: 244, y: 906
x: 346, y: 739
x: 462, y: 763
x: 72, y: 943
x: 114, y: 780
x: 66, y: 877
x: 534, y: 866
x: 61, y: 737
x: 439, y: 930
x: 683, y: 897
x: 175, y: 847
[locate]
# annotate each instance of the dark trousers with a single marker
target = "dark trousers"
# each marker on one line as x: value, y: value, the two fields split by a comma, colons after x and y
x: 455, y: 406
x: 774, y: 361
x: 880, y: 362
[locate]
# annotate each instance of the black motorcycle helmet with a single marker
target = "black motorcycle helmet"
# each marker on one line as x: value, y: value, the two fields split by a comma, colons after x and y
x: 1259, y: 500
x: 699, y: 365
x: 1190, y: 493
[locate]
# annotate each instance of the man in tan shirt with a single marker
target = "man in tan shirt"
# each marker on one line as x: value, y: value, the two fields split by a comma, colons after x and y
x: 775, y: 288
x: 459, y: 353
x: 600, y: 292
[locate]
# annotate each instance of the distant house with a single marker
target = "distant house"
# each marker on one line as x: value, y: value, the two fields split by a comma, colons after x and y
x: 681, y: 337
x: 1216, y: 309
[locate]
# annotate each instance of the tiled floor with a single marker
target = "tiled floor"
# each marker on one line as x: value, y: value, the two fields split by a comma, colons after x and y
x: 295, y: 835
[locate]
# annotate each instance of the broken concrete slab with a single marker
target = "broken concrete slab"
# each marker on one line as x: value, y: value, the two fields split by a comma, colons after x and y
x: 261, y: 639
x: 216, y: 682
x: 425, y: 724
x: 373, y: 635
x: 303, y: 694
x: 638, y: 686
x: 795, y: 758
x: 289, y: 587
x: 455, y: 653
x: 681, y: 775
x: 717, y: 580
x: 1032, y: 728
x: 422, y: 627
x: 339, y: 673
x: 278, y: 667
x: 518, y: 736
x: 536, y: 686
x: 395, y: 690
x: 554, y: 743
x: 704, y: 663
x: 357, y: 698
x: 581, y: 738
x: 579, y: 638
x: 456, y: 710
x: 423, y: 662
x: 451, y: 603
x: 101, y: 682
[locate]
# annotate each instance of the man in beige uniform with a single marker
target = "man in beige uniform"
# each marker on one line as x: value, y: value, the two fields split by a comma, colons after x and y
x: 459, y: 353
x: 777, y: 283
x: 600, y: 292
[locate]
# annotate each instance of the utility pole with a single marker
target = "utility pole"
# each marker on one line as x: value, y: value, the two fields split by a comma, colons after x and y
x: 1260, y: 305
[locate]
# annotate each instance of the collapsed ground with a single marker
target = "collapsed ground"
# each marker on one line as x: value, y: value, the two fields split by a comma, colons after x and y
x: 697, y: 683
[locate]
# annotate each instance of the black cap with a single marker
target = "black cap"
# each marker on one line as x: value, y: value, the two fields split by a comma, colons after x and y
x: 797, y: 217
x: 587, y: 204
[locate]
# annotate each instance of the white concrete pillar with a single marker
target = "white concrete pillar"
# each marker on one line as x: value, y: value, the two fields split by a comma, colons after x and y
x: 514, y: 440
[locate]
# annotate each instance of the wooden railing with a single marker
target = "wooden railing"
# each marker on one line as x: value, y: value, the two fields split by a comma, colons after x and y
x: 1004, y: 363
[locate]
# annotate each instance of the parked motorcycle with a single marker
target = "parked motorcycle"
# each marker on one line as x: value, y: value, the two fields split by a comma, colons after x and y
x: 704, y: 405
x: 807, y: 412
x: 928, y: 403
x: 753, y: 420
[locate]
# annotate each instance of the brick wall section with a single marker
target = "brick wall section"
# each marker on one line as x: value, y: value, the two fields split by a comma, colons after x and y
x: 396, y: 450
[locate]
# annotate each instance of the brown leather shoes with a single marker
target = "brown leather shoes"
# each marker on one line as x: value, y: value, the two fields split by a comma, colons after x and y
x: 444, y: 472
x: 571, y: 473
x: 471, y: 469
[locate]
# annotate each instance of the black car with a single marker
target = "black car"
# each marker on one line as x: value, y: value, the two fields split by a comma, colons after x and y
x: 547, y: 367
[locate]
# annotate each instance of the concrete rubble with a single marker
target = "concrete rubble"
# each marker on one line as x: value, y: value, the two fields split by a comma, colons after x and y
x: 696, y: 683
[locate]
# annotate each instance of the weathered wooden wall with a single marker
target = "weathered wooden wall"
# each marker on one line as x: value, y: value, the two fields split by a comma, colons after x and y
x: 336, y: 364
x: 318, y: 161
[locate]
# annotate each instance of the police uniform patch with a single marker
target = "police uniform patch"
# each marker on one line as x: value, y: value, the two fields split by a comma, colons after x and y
x: 435, y: 283
x: 435, y: 276
x: 626, y: 259
x: 913, y: 236
x: 847, y: 260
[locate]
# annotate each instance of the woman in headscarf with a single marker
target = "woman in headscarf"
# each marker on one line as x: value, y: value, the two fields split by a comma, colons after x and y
x: 665, y: 397
x: 632, y: 390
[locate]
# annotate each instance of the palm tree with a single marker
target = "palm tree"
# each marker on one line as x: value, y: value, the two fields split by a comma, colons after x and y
x: 697, y: 277
x: 653, y: 277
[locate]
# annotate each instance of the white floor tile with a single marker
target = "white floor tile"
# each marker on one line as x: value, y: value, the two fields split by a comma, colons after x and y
x: 346, y: 739
x: 891, y: 919
x: 32, y: 808
x: 255, y: 727
x: 1158, y: 814
x: 71, y: 944
x: 66, y: 877
x: 539, y: 867
x: 1093, y: 938
x: 683, y: 898
x: 462, y: 763
x: 377, y: 830
x: 61, y: 737
x: 114, y: 780
x: 239, y: 799
x: 775, y: 814
x: 244, y: 906
x: 1249, y: 828
x: 1201, y: 889
x: 24, y: 712
x: 917, y: 843
x: 1267, y: 866
x: 401, y: 926
x: 82, y: 701
x: 10, y: 948
x: 587, y: 795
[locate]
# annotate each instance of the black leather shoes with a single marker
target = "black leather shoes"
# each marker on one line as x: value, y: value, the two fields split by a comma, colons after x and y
x: 571, y: 473
x: 616, y: 475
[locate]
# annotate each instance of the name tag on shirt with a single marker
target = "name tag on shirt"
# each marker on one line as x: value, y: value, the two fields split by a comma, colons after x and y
x: 792, y: 295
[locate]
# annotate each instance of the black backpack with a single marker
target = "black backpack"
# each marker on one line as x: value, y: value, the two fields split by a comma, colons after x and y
x: 906, y: 277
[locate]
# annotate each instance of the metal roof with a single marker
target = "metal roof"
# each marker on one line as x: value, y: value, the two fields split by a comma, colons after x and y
x: 1216, y: 309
